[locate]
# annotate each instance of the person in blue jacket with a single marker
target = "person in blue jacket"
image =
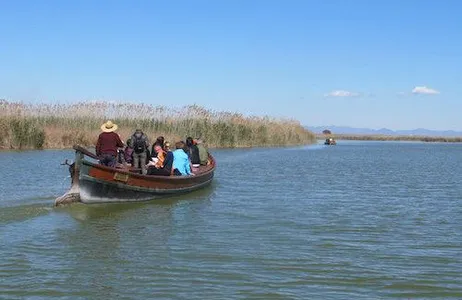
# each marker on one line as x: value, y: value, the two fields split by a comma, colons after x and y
x: 181, y: 161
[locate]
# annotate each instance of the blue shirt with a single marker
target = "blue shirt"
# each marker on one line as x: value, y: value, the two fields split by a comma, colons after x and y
x: 181, y: 162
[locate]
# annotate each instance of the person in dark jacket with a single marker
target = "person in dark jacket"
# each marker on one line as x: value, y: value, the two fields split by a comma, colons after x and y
x: 193, y: 152
x: 139, y: 142
x: 164, y: 167
x: 203, y: 152
x: 108, y: 144
x: 128, y: 153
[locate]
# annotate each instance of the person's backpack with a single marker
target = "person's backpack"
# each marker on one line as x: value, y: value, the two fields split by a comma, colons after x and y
x: 139, y: 144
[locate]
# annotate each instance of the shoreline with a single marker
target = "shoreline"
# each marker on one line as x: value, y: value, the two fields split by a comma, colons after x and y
x: 415, y: 138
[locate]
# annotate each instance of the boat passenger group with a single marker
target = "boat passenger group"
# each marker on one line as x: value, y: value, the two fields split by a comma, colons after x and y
x: 184, y: 160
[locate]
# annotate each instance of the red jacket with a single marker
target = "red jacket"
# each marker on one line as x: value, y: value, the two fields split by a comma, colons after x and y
x: 108, y: 142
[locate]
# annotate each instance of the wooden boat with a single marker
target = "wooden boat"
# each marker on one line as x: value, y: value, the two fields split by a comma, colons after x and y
x: 92, y: 182
x: 330, y: 141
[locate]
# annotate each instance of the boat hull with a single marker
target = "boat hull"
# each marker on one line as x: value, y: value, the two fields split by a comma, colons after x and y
x: 97, y: 191
x: 100, y: 184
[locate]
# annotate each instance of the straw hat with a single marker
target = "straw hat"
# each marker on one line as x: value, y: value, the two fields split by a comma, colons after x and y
x: 109, y: 127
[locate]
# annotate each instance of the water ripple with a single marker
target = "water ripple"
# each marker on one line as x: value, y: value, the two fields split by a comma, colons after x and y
x: 355, y: 221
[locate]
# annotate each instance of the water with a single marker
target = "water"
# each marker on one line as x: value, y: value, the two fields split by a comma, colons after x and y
x: 360, y: 220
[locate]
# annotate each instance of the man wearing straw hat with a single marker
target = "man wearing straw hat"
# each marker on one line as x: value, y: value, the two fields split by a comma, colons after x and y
x: 108, y: 143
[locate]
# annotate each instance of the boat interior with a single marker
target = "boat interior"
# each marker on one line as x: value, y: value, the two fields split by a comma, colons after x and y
x: 127, y: 167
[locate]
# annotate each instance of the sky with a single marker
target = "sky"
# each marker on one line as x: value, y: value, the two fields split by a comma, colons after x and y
x: 359, y: 63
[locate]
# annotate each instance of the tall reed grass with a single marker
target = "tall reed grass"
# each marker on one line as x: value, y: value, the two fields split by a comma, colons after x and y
x: 27, y: 126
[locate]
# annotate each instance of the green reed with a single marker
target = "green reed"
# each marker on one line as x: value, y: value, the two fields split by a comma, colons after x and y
x: 20, y: 133
x: 60, y: 126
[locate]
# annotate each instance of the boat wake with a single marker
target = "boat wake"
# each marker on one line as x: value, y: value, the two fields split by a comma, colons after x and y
x: 23, y: 212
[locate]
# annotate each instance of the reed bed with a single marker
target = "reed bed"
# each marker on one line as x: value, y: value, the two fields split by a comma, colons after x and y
x: 415, y: 138
x: 28, y: 126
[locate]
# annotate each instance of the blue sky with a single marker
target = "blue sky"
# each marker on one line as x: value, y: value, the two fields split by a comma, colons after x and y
x: 352, y: 63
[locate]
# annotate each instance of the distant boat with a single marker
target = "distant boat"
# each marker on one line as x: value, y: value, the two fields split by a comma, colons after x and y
x: 330, y: 141
x: 92, y: 182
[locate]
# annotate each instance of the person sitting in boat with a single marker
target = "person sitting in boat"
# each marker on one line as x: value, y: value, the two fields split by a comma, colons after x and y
x: 181, y: 162
x: 128, y: 153
x: 159, y: 141
x: 193, y: 152
x: 108, y: 144
x: 203, y: 153
x: 166, y: 146
x: 160, y: 156
x: 139, y: 143
x: 163, y: 163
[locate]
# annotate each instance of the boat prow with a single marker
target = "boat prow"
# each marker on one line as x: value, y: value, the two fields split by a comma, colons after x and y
x: 95, y: 183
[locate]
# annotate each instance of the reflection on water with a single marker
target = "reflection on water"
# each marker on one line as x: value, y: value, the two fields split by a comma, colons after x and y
x: 359, y: 220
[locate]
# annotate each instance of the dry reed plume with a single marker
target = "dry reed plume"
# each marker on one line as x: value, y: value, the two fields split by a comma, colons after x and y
x: 27, y: 126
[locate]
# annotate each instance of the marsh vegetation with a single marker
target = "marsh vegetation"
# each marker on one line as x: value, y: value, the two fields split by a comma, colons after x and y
x: 28, y: 126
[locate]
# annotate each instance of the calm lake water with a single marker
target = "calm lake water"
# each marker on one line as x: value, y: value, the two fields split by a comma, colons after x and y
x: 360, y: 220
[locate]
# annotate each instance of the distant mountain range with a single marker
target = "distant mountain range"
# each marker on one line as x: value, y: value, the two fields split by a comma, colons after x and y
x: 384, y: 131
